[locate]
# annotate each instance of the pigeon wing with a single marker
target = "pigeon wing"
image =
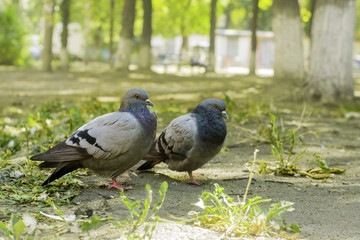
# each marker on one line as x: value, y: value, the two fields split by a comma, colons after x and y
x: 178, y: 138
x: 107, y: 136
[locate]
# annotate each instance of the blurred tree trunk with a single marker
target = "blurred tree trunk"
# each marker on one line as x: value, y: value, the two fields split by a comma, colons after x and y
x: 185, y: 39
x: 96, y: 53
x: 312, y: 9
x: 48, y: 32
x: 183, y: 50
x: 111, y: 33
x: 65, y: 13
x: 329, y: 78
x: 87, y: 32
x: 211, y: 63
x: 289, y: 60
x: 252, y: 70
x: 123, y: 53
x: 145, y: 44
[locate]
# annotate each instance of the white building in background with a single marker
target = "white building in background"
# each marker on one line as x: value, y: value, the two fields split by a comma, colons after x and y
x: 232, y: 49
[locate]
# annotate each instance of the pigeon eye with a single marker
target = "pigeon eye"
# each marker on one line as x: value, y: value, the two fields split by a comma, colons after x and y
x: 137, y: 96
x: 216, y: 106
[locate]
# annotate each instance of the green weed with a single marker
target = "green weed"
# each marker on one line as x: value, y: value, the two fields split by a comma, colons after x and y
x: 285, y: 164
x: 230, y: 105
x: 138, y: 217
x: 146, y: 217
x: 289, y: 164
x: 14, y: 229
x: 94, y: 224
x: 221, y: 213
x: 242, y: 217
x: 244, y: 112
x: 22, y: 185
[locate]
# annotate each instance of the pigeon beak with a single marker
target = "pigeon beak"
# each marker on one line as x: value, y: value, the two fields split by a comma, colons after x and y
x: 225, y: 115
x: 148, y: 102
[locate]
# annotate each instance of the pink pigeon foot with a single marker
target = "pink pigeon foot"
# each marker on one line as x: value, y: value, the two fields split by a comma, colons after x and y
x: 117, y: 186
x: 193, y: 181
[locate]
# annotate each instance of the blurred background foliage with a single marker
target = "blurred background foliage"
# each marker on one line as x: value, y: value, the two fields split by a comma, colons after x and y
x: 20, y: 19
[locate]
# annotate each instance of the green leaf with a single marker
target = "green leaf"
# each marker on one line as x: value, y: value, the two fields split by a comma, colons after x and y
x: 19, y: 228
x: 131, y: 206
x: 56, y: 209
x: 273, y: 128
x: 295, y: 228
x: 5, y: 229
x: 95, y: 223
x: 146, y: 204
x: 162, y: 193
x: 31, y: 121
x: 163, y: 188
x: 292, y: 144
x: 322, y: 163
x: 277, y: 209
x: 299, y: 156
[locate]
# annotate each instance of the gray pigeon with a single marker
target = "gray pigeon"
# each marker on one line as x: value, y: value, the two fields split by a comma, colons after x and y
x: 110, y: 144
x: 190, y: 140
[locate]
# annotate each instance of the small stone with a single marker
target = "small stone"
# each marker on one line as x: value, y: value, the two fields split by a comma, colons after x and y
x: 83, y: 211
x: 16, y: 174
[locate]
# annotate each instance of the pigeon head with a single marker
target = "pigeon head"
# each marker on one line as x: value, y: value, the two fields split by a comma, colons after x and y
x: 135, y: 97
x: 212, y: 105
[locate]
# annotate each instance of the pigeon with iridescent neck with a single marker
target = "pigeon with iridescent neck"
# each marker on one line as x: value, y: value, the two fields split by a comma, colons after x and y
x: 190, y: 140
x: 110, y: 144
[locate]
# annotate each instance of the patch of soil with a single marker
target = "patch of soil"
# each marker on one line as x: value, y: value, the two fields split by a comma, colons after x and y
x: 324, y: 209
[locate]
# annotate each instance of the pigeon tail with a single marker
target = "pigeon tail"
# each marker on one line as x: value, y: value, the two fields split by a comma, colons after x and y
x: 153, y: 157
x: 61, y: 170
x: 148, y: 164
x: 60, y: 153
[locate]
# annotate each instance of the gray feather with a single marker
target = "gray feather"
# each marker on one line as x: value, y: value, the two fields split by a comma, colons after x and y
x: 190, y: 140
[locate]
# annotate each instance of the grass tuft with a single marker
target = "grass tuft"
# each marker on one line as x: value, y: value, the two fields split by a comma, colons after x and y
x: 243, y: 217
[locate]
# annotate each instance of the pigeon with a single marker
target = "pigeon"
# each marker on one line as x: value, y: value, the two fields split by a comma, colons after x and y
x: 110, y: 144
x: 191, y: 140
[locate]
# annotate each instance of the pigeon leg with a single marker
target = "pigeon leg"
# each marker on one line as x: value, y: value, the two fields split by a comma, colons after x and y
x: 117, y: 186
x: 192, y: 180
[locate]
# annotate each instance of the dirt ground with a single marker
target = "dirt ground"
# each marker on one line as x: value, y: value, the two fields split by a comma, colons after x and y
x: 324, y: 209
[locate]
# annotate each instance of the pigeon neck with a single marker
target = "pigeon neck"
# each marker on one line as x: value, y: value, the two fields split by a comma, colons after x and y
x: 211, y: 127
x: 144, y: 116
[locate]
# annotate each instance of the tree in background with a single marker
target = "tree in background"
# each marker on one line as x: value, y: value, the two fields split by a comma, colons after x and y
x: 253, y: 37
x: 111, y: 33
x: 65, y: 14
x: 48, y: 33
x: 98, y: 22
x: 123, y: 53
x: 173, y: 18
x: 238, y: 14
x: 286, y: 23
x: 211, y: 63
x: 329, y: 78
x: 11, y: 36
x: 306, y: 13
x: 357, y: 32
x: 87, y: 22
x: 184, y: 34
x: 145, y: 44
